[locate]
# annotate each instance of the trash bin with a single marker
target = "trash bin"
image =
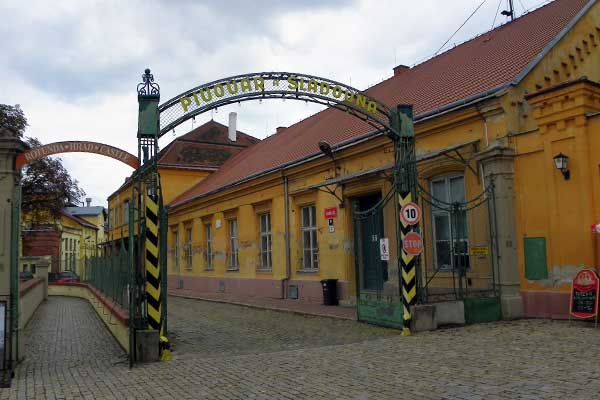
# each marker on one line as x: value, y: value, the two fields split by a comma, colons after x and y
x: 329, y: 292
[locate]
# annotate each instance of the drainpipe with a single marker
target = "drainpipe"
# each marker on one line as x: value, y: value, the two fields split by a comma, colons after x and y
x: 288, y: 265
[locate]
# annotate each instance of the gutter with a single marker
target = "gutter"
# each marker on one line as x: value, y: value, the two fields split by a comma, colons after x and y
x: 288, y: 259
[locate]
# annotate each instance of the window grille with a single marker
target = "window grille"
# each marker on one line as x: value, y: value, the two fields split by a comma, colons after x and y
x: 449, y: 189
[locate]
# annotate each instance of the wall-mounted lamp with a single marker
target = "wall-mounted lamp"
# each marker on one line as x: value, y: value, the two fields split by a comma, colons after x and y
x: 561, y: 162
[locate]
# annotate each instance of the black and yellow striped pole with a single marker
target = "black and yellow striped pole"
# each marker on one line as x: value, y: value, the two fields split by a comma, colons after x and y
x: 153, y: 278
x: 401, y: 120
x: 408, y: 267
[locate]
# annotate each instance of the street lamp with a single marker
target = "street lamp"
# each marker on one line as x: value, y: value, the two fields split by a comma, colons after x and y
x: 328, y: 151
x: 561, y: 162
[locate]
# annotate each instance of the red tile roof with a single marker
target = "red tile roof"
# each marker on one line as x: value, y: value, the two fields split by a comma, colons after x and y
x: 486, y: 62
x: 207, y: 147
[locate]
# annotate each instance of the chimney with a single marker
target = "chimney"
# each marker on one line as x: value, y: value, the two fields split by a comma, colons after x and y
x: 400, y: 69
x: 280, y: 129
x: 233, y: 126
x: 88, y: 201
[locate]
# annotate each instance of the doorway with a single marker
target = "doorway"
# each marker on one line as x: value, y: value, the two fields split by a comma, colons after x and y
x: 372, y: 272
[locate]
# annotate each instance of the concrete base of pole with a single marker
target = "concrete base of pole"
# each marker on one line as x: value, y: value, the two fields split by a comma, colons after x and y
x: 146, y: 345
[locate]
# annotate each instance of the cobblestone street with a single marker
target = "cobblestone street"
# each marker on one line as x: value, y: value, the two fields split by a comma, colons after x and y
x: 230, y: 352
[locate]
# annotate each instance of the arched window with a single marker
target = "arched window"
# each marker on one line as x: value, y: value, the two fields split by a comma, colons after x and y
x: 450, y: 235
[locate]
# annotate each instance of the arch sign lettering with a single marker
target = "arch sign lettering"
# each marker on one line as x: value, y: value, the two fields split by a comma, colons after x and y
x: 77, y: 147
x: 272, y: 85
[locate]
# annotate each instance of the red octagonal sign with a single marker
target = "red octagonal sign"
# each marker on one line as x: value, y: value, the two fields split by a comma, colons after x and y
x: 412, y: 243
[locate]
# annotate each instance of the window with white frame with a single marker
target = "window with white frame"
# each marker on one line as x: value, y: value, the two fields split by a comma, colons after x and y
x: 188, y: 248
x: 234, y: 262
x: 449, y: 229
x: 310, y: 245
x: 176, y: 249
x: 265, y: 241
x: 208, y: 254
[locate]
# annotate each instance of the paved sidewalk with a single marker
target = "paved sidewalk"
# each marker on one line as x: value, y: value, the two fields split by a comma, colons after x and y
x: 230, y: 352
x: 206, y: 329
x: 286, y: 305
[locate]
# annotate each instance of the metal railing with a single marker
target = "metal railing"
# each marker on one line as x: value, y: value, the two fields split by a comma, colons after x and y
x: 109, y: 273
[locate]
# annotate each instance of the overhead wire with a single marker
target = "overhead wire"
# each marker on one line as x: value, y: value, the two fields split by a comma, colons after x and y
x: 496, y: 15
x: 522, y: 5
x: 460, y: 27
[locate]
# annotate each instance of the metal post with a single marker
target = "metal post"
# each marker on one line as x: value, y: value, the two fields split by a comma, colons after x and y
x: 162, y: 227
x: 401, y: 120
x: 131, y: 285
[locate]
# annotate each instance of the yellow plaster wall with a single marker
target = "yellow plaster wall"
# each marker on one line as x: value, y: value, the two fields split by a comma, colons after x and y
x: 176, y: 181
x: 549, y: 206
x: 336, y: 250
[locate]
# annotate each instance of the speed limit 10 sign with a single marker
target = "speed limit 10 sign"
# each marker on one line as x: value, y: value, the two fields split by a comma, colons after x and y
x: 410, y: 213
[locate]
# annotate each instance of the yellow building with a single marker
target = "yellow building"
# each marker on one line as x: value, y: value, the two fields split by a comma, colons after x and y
x: 67, y: 239
x: 490, y: 116
x: 96, y: 215
x: 182, y: 163
x: 79, y: 240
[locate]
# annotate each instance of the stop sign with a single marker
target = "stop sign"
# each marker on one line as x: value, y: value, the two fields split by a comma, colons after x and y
x: 412, y: 243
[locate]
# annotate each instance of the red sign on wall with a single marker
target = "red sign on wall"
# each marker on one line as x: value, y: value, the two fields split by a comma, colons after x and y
x: 584, y: 294
x: 331, y: 212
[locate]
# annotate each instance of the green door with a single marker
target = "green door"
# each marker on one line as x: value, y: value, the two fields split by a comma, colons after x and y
x: 376, y: 304
x: 371, y: 231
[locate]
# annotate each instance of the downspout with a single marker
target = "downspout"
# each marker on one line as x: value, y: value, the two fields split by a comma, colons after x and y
x: 14, y: 279
x: 288, y: 264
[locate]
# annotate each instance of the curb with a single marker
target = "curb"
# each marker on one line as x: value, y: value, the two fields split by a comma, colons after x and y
x: 249, y: 305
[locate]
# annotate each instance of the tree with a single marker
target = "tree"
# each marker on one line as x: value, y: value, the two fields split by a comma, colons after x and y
x: 47, y: 187
x: 13, y: 120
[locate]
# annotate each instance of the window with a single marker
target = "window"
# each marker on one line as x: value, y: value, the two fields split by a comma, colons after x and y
x: 208, y: 255
x: 70, y: 251
x: 265, y: 241
x: 188, y: 248
x: 176, y: 249
x: 446, y: 228
x: 126, y: 212
x: 310, y: 246
x: 234, y: 262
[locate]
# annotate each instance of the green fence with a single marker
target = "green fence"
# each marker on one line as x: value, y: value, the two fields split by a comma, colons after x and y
x: 109, y: 273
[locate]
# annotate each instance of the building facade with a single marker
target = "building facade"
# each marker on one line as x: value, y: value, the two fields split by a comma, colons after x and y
x: 491, y: 115
x: 183, y: 163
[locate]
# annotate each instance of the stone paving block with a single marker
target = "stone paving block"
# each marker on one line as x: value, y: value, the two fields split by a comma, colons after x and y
x: 230, y: 352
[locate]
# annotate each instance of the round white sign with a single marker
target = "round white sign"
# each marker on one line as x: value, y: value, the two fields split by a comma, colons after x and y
x: 411, y: 213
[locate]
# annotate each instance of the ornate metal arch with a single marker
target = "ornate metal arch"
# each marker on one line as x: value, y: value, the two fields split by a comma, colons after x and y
x: 273, y: 85
x: 76, y: 147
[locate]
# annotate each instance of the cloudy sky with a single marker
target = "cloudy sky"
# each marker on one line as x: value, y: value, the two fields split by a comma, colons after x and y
x: 73, y: 65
